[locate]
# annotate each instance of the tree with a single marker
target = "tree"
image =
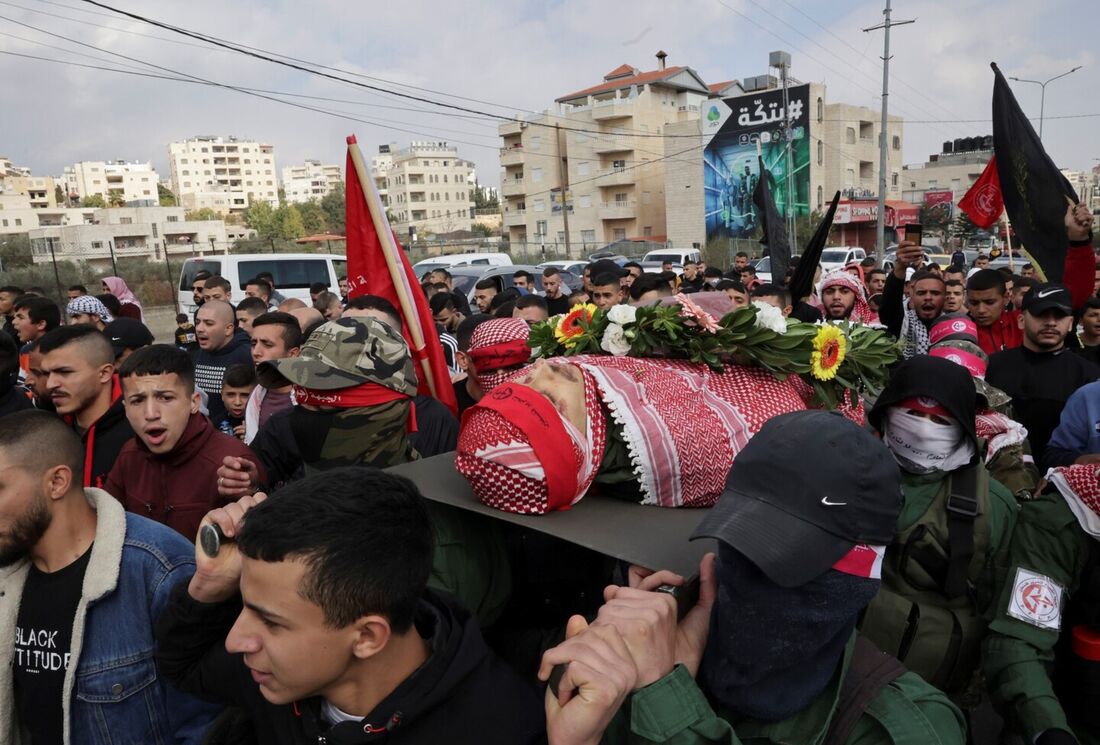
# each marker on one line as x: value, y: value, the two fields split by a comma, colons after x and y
x: 59, y: 195
x: 95, y: 200
x: 332, y: 204
x: 203, y: 213
x: 962, y: 226
x: 481, y: 229
x: 260, y: 217
x: 483, y: 199
x: 935, y: 220
x: 115, y: 199
x: 15, y: 251
x: 313, y: 217
x: 287, y: 223
x: 166, y: 197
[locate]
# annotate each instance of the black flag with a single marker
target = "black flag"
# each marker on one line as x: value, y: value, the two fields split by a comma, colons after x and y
x: 1035, y: 192
x: 802, y: 283
x: 775, y: 237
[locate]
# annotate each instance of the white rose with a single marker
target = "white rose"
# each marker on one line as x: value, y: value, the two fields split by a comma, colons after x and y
x: 769, y: 317
x: 622, y: 314
x: 614, y: 340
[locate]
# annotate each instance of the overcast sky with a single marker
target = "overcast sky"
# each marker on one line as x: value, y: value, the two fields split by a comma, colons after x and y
x: 511, y: 55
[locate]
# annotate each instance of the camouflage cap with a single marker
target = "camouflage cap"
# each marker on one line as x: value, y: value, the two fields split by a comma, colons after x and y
x: 343, y: 353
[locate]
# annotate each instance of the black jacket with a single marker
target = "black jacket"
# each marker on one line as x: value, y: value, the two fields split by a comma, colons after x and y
x: 462, y: 694
x: 891, y: 310
x: 13, y: 400
x: 104, y: 440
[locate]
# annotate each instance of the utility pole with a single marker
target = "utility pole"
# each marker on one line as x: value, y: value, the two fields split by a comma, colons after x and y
x: 880, y: 241
x: 564, y: 188
x: 1043, y: 99
x: 782, y: 60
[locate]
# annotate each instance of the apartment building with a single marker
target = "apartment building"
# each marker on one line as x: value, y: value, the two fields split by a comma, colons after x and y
x: 146, y: 232
x: 600, y: 154
x: 310, y: 181
x: 426, y: 187
x: 223, y: 174
x: 119, y: 182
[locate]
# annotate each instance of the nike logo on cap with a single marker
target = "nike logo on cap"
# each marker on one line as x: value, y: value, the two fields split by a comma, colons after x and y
x: 825, y: 501
x: 1048, y: 292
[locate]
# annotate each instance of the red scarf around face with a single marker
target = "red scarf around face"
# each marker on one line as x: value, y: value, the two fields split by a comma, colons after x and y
x: 354, y: 397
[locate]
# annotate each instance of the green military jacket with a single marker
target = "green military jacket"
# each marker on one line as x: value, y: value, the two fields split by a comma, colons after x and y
x: 675, y: 710
x: 1049, y: 547
x: 469, y: 561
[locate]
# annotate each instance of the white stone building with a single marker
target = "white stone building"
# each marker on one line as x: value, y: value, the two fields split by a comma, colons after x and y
x: 224, y: 174
x: 309, y: 181
x: 426, y: 187
x: 134, y: 183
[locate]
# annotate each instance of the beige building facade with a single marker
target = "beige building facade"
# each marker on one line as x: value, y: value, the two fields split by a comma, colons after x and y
x: 947, y: 171
x: 605, y: 160
x: 223, y: 174
x: 425, y: 187
x: 133, y: 184
x: 309, y: 181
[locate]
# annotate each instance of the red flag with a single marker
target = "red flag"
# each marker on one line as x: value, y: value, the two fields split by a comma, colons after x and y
x: 377, y: 265
x: 984, y: 202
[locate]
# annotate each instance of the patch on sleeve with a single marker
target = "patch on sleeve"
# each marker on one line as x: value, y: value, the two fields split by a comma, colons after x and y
x: 1036, y: 600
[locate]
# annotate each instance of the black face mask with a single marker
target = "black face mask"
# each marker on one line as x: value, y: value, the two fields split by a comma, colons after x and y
x: 311, y: 429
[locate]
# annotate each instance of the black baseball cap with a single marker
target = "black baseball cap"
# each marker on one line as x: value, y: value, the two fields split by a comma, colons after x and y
x: 606, y: 266
x: 1046, y: 297
x: 806, y: 489
x: 127, y: 333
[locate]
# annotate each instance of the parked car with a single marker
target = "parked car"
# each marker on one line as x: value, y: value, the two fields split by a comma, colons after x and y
x: 293, y: 273
x: 605, y: 254
x: 654, y: 267
x: 447, y: 261
x: 838, y: 257
x: 465, y: 277
x: 676, y: 255
x: 573, y: 266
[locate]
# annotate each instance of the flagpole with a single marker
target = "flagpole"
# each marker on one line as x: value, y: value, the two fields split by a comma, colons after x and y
x: 1008, y: 242
x: 389, y: 250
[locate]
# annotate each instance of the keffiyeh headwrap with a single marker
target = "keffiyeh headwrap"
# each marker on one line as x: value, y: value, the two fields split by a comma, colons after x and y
x: 1080, y: 487
x: 861, y: 311
x: 90, y: 305
x: 498, y: 348
x: 119, y: 289
x: 521, y: 455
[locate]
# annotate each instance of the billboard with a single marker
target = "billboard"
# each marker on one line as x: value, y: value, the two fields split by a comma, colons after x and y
x: 940, y: 205
x: 731, y: 171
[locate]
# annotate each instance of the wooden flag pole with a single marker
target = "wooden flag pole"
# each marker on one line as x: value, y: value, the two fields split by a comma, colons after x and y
x: 389, y: 249
x: 1008, y: 242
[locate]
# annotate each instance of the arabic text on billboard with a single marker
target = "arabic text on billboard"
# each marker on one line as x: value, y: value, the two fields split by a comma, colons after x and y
x: 731, y: 170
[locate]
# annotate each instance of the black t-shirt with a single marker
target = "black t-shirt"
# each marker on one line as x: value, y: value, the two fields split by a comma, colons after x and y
x: 1039, y: 383
x: 465, y: 400
x: 43, y: 637
x: 557, y: 305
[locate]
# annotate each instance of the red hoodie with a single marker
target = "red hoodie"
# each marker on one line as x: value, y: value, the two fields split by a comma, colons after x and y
x: 1077, y: 276
x: 180, y: 487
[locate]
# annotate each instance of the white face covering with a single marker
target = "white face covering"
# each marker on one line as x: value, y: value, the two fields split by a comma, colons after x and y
x: 921, y: 445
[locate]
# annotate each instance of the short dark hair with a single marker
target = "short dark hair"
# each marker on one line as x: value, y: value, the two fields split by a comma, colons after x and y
x: 268, y: 276
x: 504, y: 310
x: 292, y: 331
x: 112, y: 303
x: 78, y: 288
x: 986, y: 279
x: 1093, y: 303
x: 1005, y: 271
x: 81, y: 333
x: 690, y: 262
x: 1029, y: 265
x: 317, y: 288
x: 12, y: 290
x: 750, y: 269
x: 365, y: 537
x: 182, y: 318
x: 380, y: 304
x: 215, y: 283
x: 551, y: 271
x: 342, y: 277
x: 35, y: 440
x: 532, y: 301
x: 868, y: 262
x: 952, y: 283
x: 441, y: 301
x: 643, y: 284
x: 606, y: 279
x: 202, y: 274
x: 240, y: 375
x: 954, y: 269
x: 510, y: 295
x: 923, y: 274
x: 465, y: 330
x: 875, y: 271
x: 732, y: 284
x: 633, y: 265
x: 1029, y: 282
x: 159, y: 359
x: 740, y: 255
x: 39, y: 309
x: 712, y: 272
x: 441, y: 270
x: 326, y: 299
x: 252, y: 305
x: 263, y: 284
x: 485, y: 284
x: 770, y: 290
x: 525, y: 274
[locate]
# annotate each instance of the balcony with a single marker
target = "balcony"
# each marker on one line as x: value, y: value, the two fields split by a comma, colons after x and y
x: 511, y: 156
x: 612, y: 143
x: 617, y: 211
x: 614, y: 177
x: 510, y: 128
x: 511, y: 187
x: 612, y: 108
x: 515, y: 218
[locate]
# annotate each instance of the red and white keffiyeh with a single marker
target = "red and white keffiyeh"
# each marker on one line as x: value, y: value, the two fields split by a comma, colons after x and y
x: 998, y: 431
x: 497, y: 349
x: 520, y: 455
x: 1080, y: 487
x: 861, y: 311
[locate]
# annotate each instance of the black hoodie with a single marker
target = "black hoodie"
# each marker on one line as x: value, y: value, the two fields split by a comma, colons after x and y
x: 104, y: 440
x: 210, y: 369
x: 461, y: 694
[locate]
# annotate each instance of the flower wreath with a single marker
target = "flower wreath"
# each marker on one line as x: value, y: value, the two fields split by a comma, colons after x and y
x: 834, y: 358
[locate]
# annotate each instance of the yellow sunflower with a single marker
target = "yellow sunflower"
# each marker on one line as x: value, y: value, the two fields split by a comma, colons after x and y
x: 830, y: 346
x: 574, y: 323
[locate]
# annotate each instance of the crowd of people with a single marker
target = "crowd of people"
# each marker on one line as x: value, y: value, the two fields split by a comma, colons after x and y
x: 879, y: 574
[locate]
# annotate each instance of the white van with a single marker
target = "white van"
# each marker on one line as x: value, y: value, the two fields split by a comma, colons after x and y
x: 421, y: 268
x: 675, y: 255
x: 293, y: 273
x: 838, y: 257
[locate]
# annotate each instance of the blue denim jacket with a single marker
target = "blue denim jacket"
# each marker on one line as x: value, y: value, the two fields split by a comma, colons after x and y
x: 113, y: 693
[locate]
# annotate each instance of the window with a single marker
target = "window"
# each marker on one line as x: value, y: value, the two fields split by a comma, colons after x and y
x: 820, y: 198
x: 540, y: 227
x: 586, y: 201
x: 820, y: 109
x: 172, y: 218
x: 620, y: 197
x: 647, y: 231
x: 820, y: 152
x: 850, y: 136
x: 893, y: 179
x: 540, y: 205
x: 535, y: 143
x: 154, y: 226
x: 849, y: 178
x: 444, y: 178
x: 536, y: 175
x: 5, y: 223
x: 897, y: 142
x: 582, y: 168
x: 588, y: 236
x: 18, y: 222
x: 96, y: 245
x: 126, y: 221
x: 618, y: 234
x: 426, y: 163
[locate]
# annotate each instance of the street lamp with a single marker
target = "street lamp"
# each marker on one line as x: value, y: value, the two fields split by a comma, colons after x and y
x: 1043, y: 98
